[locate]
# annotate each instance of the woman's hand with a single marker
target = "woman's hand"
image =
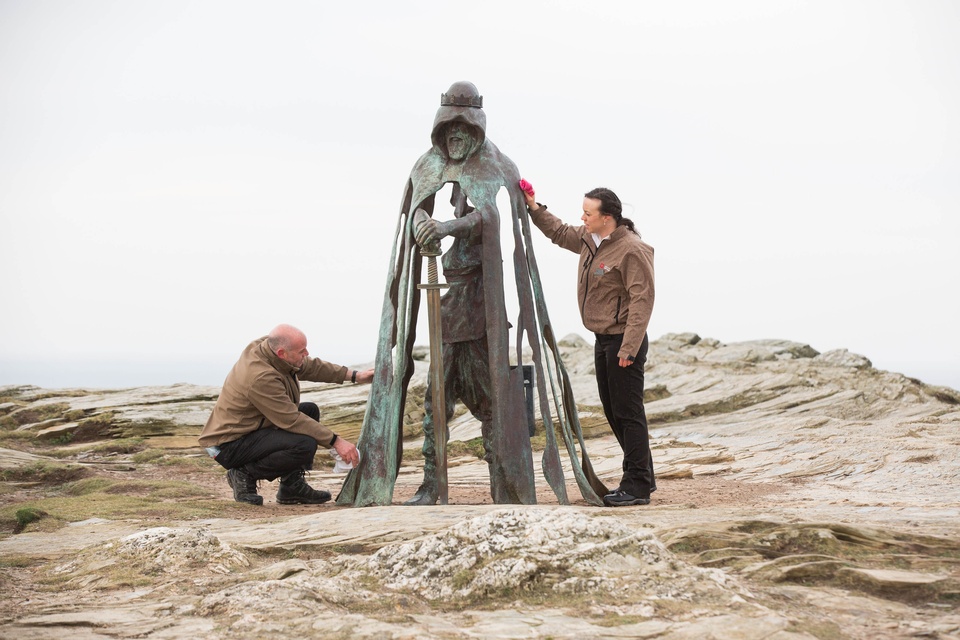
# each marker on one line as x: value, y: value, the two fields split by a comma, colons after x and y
x: 528, y: 193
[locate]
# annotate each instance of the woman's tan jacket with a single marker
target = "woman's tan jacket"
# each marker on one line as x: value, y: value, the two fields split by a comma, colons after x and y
x: 615, y: 287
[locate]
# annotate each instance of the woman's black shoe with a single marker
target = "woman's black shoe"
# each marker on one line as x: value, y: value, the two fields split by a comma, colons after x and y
x: 620, y: 498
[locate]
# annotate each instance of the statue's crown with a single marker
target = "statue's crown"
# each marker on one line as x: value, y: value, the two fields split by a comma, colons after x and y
x: 460, y: 100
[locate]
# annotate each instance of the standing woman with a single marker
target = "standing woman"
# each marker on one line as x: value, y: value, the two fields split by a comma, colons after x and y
x: 615, y: 291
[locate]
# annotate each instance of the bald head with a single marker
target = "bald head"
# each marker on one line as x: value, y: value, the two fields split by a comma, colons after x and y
x: 289, y: 343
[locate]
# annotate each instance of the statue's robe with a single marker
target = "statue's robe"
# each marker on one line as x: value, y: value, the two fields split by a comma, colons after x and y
x: 481, y: 177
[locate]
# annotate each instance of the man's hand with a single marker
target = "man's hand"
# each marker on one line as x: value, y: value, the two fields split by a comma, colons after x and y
x: 365, y: 376
x: 347, y: 451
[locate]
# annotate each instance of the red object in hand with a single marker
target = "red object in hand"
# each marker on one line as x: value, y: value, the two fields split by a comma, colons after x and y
x: 526, y: 187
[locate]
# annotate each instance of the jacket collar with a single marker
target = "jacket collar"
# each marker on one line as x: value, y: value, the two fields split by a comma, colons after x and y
x: 616, y: 234
x: 274, y: 360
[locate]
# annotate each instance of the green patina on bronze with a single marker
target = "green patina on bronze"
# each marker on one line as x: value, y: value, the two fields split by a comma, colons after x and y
x: 462, y: 155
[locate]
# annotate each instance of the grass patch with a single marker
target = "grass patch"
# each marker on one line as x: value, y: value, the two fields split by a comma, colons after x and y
x: 463, y: 578
x: 18, y: 562
x: 820, y: 629
x: 612, y: 620
x: 59, y: 454
x: 191, y: 463
x: 115, y: 575
x: 27, y: 515
x: 16, y: 437
x: 95, y: 427
x: 120, y: 445
x: 472, y: 447
x: 148, y: 455
x: 718, y: 407
x: 455, y: 449
x: 146, y: 428
x: 44, y: 472
x: 14, y: 394
x: 168, y: 501
x: 32, y: 414
x: 7, y: 488
x: 87, y: 486
x: 412, y: 455
x: 838, y: 545
x: 161, y: 489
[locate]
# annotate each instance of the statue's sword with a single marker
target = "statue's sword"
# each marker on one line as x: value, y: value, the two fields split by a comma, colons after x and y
x: 432, y: 251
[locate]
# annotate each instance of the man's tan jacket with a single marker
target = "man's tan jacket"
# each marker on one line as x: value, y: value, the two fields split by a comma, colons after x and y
x: 263, y: 391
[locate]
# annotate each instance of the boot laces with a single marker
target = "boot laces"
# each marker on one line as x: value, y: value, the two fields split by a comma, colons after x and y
x: 295, y: 478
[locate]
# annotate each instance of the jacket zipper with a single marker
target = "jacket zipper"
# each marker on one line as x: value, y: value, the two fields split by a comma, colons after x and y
x: 616, y: 316
x: 586, y: 274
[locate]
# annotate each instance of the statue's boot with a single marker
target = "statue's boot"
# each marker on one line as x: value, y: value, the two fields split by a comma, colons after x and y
x: 428, y: 493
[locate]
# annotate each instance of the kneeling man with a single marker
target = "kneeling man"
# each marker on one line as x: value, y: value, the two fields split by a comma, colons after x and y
x: 259, y: 429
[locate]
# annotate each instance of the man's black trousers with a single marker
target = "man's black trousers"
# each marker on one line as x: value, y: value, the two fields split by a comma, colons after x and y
x: 267, y: 454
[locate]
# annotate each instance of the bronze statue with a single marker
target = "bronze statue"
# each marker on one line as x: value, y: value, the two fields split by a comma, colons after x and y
x: 476, y: 330
x: 465, y: 374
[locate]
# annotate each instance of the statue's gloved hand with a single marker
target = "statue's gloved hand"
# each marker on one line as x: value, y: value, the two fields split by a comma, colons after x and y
x: 419, y: 217
x: 430, y: 231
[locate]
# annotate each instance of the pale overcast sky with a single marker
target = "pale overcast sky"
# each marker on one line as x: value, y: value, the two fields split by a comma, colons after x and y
x: 178, y: 177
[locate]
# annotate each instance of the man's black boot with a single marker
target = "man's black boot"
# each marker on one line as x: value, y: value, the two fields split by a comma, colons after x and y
x: 295, y: 490
x: 244, y: 487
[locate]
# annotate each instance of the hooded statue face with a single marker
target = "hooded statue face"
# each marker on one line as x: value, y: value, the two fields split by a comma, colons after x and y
x: 461, y: 140
x: 459, y: 128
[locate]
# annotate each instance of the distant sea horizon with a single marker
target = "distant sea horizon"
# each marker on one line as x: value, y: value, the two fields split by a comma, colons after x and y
x: 108, y: 374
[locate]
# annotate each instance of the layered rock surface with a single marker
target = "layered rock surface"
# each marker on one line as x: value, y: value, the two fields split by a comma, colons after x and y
x: 820, y: 500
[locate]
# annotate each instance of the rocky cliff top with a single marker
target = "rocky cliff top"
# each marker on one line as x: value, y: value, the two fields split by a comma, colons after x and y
x: 801, y: 494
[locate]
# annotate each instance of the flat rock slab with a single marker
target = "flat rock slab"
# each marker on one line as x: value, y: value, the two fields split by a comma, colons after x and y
x: 369, y: 526
x: 894, y: 579
x: 10, y: 459
x: 73, y: 537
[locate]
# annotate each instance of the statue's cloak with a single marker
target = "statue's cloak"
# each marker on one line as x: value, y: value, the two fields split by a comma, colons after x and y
x: 481, y: 177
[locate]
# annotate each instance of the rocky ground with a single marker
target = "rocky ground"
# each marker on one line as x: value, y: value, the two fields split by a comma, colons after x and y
x: 801, y: 495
